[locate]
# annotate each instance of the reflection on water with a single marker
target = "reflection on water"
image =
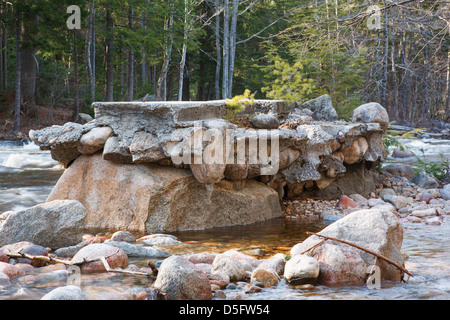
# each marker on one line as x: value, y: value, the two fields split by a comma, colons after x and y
x: 27, y: 175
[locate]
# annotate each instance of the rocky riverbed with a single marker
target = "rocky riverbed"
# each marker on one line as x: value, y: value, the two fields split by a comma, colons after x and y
x: 161, y: 266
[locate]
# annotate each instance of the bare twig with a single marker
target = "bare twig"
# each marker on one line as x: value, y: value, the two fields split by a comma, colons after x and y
x: 42, y: 258
x: 53, y: 260
x: 366, y: 250
x: 118, y: 270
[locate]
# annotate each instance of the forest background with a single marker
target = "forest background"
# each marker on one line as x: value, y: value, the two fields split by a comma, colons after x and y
x: 393, y: 52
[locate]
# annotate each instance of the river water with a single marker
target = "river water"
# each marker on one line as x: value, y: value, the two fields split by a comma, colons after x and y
x: 27, y: 175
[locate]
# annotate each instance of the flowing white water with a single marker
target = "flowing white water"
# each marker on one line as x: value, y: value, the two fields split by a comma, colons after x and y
x: 27, y: 175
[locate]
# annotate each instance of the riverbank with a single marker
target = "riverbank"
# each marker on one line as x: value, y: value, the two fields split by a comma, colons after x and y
x: 41, y: 117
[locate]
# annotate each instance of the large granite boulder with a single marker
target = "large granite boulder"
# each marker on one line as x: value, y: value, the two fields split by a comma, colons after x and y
x: 179, y: 279
x: 54, y: 224
x: 153, y: 198
x: 373, y: 229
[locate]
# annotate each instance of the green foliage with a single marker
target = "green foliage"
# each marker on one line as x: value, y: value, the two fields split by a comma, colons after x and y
x: 314, y: 64
x: 437, y: 169
x: 392, y: 141
x: 238, y: 103
x: 289, y: 82
x: 411, y: 134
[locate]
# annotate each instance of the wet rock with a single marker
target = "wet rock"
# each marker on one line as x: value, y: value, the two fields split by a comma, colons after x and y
x: 204, y: 267
x: 386, y: 192
x: 95, y: 239
x: 275, y: 264
x: 421, y: 213
x: 69, y: 252
x: 376, y: 230
x: 399, y: 202
x: 4, y: 280
x: 123, y: 236
x: 219, y: 276
x: 267, y: 277
x: 138, y: 251
x: 10, y: 270
x: 3, y: 257
x: 359, y: 199
x: 398, y: 169
x: 346, y: 202
x: 425, y: 181
x: 94, y: 140
x: 150, y: 294
x: 155, y: 241
x: 65, y: 293
x: 203, y: 257
x: 371, y: 113
x: 233, y: 268
x: 242, y: 256
x: 426, y: 197
x: 180, y: 280
x: 25, y: 267
x: 301, y: 269
x: 53, y: 224
x: 249, y: 288
x: 445, y: 192
x: 219, y: 295
x: 115, y: 257
x: 265, y: 121
x: 52, y: 277
x: 397, y: 153
x: 53, y: 267
x: 108, y: 293
x: 434, y: 221
x: 34, y: 250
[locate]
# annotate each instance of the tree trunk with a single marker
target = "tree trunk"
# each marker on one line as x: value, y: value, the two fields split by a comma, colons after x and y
x: 76, y: 86
x: 233, y: 30
x: 183, y: 54
x: 18, y: 96
x: 4, y: 59
x: 130, y: 91
x: 395, y: 81
x: 28, y: 78
x: 93, y: 55
x: 448, y: 86
x: 109, y: 96
x: 226, y: 49
x: 186, y: 83
x: 218, y: 50
x: 384, y: 100
x: 161, y: 92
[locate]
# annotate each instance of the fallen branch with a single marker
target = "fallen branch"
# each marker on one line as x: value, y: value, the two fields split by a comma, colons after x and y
x: 42, y: 258
x: 314, y: 246
x: 109, y: 269
x: 366, y: 250
x: 53, y: 260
